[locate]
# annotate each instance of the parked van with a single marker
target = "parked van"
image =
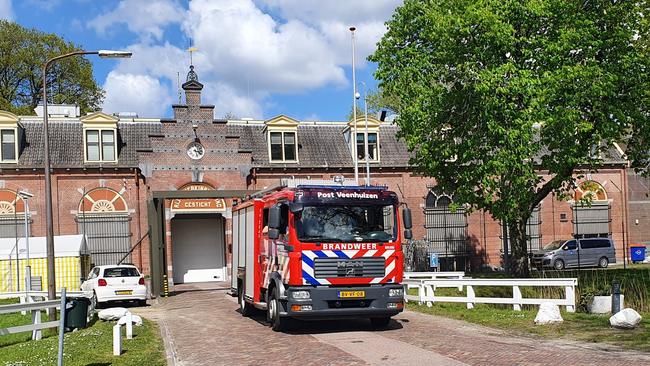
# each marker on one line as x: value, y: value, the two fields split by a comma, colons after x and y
x: 575, y: 253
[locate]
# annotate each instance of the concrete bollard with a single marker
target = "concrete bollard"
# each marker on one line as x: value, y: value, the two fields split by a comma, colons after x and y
x: 129, y: 325
x: 117, y: 340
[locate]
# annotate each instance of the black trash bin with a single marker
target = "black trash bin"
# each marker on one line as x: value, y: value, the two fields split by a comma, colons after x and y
x: 76, y: 312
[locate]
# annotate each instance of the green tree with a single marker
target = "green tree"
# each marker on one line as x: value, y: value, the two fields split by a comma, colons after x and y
x: 506, y: 101
x: 22, y: 55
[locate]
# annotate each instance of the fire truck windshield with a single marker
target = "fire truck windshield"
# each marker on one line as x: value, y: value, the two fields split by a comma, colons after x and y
x: 346, y: 223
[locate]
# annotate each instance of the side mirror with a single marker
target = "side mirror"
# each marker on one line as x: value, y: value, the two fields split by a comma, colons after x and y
x: 408, y: 223
x: 406, y: 217
x: 274, y: 234
x: 274, y: 218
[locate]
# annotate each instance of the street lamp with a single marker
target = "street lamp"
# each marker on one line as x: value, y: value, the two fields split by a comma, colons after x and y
x: 355, y: 96
x: 49, y: 235
x: 28, y: 268
x: 365, y: 144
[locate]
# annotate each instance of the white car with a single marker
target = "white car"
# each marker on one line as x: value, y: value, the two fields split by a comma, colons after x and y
x: 115, y: 283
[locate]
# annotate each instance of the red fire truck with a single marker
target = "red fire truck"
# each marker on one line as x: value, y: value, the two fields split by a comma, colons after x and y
x: 319, y: 251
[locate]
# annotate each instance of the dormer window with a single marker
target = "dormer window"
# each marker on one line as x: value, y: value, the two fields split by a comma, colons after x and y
x: 9, y: 145
x: 100, y: 138
x: 373, y: 146
x: 10, y: 136
x: 100, y: 145
x: 283, y: 146
x: 361, y: 136
x: 282, y: 138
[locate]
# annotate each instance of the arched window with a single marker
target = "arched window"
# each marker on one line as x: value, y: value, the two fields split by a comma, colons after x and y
x: 446, y: 230
x: 12, y: 214
x: 591, y: 210
x: 103, y: 216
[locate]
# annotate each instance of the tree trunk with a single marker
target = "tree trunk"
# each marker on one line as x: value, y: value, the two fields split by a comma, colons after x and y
x: 519, y: 248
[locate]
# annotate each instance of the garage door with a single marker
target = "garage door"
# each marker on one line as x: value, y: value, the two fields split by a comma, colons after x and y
x: 198, y: 249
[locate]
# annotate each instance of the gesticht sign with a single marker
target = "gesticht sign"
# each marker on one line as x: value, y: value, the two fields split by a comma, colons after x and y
x: 189, y: 205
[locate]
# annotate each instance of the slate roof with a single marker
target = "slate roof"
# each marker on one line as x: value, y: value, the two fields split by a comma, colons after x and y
x: 320, y: 145
x: 66, y: 146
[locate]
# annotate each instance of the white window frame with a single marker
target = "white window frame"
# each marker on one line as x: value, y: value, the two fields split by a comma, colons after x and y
x: 15, y: 131
x: 100, y: 145
x: 365, y: 136
x: 282, y: 139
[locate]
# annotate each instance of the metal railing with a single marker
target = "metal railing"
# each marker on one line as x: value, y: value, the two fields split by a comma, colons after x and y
x: 28, y: 303
x: 426, y: 291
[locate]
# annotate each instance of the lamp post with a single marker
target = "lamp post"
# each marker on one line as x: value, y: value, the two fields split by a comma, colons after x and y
x: 365, y: 144
x: 355, y: 96
x: 49, y: 234
x: 28, y: 268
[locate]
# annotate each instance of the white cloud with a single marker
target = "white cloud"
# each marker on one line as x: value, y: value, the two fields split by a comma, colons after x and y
x: 148, y: 18
x: 349, y: 12
x: 6, y: 11
x: 143, y: 94
x: 249, y: 49
x: 245, y: 55
x: 228, y: 100
x: 333, y: 20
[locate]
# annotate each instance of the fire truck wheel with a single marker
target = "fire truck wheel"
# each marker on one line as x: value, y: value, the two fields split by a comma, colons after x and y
x: 380, y: 323
x: 278, y: 323
x: 245, y: 308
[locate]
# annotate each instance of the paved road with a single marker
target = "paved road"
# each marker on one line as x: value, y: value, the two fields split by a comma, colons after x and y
x: 201, y: 326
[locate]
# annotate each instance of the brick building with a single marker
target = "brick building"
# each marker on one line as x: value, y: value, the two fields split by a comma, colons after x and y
x: 109, y: 173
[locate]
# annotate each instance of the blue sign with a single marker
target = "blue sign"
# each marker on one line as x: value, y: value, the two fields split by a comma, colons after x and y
x: 433, y: 260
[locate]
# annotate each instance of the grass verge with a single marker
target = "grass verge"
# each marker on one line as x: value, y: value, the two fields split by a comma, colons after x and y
x: 576, y: 326
x: 90, y: 346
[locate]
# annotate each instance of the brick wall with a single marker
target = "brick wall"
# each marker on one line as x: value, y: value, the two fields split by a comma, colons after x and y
x: 483, y: 232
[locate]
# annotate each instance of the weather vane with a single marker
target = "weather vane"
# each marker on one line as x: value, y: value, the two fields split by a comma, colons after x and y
x: 191, y: 50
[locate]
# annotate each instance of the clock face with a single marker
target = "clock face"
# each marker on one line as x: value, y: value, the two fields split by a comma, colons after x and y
x: 195, y: 151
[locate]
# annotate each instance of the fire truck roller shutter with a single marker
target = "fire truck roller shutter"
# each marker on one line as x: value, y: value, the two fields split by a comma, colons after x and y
x: 198, y: 248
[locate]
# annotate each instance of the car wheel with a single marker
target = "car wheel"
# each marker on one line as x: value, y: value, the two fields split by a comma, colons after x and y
x: 558, y: 264
x: 380, y: 323
x: 603, y: 262
x: 142, y: 302
x: 93, y: 301
x: 244, y: 307
x: 278, y: 323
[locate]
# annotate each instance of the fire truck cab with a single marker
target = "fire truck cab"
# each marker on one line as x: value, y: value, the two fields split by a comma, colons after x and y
x: 315, y: 251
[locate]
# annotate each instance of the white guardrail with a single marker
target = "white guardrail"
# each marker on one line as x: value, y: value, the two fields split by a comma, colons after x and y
x: 426, y: 289
x: 28, y: 303
x: 433, y: 276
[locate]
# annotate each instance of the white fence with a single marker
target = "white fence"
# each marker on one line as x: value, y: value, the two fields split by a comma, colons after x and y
x: 433, y: 275
x: 427, y: 288
x: 425, y: 276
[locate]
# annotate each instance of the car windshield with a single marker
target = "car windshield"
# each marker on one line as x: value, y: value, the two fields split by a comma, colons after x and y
x: 121, y: 272
x: 344, y: 223
x: 554, y: 245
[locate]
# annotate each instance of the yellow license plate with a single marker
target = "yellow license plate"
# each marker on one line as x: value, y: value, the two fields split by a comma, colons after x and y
x: 349, y: 294
x: 123, y: 292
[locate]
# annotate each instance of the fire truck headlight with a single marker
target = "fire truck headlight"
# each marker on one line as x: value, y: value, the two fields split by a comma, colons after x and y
x: 396, y: 292
x: 300, y: 295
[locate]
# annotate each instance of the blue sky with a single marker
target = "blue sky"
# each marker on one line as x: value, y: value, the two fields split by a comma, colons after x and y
x: 256, y: 58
